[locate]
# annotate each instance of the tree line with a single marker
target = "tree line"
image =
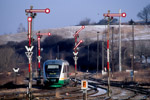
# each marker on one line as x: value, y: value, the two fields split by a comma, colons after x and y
x: 56, y: 47
x: 144, y: 15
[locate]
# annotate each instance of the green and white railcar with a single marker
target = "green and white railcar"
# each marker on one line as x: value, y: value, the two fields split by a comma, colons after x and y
x: 56, y: 73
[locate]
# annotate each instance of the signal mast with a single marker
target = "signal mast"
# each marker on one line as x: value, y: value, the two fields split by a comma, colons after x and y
x: 76, y: 36
x: 29, y: 48
x: 110, y: 18
x: 39, y: 36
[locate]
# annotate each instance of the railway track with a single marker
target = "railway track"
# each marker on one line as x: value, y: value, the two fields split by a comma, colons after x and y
x: 119, y: 90
x: 132, y: 89
x: 67, y: 92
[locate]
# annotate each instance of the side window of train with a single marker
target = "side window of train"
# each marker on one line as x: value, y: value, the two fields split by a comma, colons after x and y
x: 64, y: 71
x: 68, y: 68
x: 67, y: 71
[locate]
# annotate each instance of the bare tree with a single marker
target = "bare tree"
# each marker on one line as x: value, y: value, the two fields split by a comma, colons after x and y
x: 5, y: 60
x: 145, y: 14
x: 142, y: 49
x: 104, y: 21
x: 21, y: 28
x: 139, y: 50
x: 9, y: 59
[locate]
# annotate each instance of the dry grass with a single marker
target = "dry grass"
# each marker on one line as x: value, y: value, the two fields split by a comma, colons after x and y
x: 142, y: 76
x: 6, y: 77
x: 98, y: 76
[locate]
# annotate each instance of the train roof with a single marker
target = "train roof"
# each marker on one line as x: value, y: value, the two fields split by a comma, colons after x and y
x: 56, y: 62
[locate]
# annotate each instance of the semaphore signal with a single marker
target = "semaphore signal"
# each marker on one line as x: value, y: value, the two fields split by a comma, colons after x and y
x: 115, y: 14
x: 76, y: 36
x: 77, y: 44
x: 39, y: 35
x: 47, y: 10
x: 79, y: 31
x: 29, y: 50
x: 110, y: 17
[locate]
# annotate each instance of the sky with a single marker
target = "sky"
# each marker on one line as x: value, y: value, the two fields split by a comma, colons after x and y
x: 63, y: 13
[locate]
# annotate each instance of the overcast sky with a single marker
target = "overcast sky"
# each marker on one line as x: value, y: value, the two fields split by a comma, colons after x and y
x: 63, y: 12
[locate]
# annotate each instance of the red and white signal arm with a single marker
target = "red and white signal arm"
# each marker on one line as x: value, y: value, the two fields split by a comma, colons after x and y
x: 84, y: 84
x: 115, y: 14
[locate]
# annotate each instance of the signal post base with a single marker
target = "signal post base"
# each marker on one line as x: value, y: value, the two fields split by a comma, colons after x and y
x: 84, y: 94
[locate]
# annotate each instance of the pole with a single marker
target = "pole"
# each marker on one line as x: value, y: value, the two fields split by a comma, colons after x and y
x: 84, y: 94
x: 88, y: 53
x: 102, y: 55
x: 97, y: 51
x: 108, y: 56
x: 75, y: 67
x: 30, y: 78
x: 58, y: 52
x: 16, y: 78
x: 88, y: 56
x: 112, y: 47
x: 133, y: 49
x: 120, y: 67
x: 29, y: 51
x: 36, y: 60
x: 39, y: 57
x: 30, y: 64
x: 39, y: 36
x: 75, y: 58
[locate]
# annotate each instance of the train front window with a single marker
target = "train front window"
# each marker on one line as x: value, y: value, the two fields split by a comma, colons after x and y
x: 53, y: 67
x: 53, y: 70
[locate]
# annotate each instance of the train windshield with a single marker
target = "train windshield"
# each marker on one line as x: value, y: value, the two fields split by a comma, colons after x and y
x: 53, y: 70
x: 53, y: 67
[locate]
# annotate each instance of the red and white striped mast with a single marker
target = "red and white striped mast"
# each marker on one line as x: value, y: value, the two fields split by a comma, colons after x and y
x: 76, y: 36
x: 29, y: 48
x: 110, y: 17
x: 39, y: 36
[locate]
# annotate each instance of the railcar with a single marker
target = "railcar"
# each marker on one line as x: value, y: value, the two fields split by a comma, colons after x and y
x: 55, y: 73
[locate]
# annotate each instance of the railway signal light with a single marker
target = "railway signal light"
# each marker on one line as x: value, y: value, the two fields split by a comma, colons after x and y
x: 83, y: 27
x: 47, y: 10
x: 29, y: 19
x: 49, y: 34
x: 123, y: 14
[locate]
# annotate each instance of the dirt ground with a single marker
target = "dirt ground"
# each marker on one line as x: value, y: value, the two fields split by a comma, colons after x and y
x: 11, y: 77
